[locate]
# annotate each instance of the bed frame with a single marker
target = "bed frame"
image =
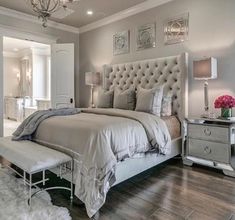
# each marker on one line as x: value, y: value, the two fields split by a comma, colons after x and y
x: 173, y: 73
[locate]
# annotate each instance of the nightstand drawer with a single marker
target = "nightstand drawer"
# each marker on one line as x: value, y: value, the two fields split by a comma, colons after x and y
x: 209, y: 133
x: 209, y: 150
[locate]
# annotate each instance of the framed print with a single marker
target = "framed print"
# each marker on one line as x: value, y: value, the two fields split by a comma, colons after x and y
x: 121, y: 42
x: 176, y: 29
x: 146, y: 36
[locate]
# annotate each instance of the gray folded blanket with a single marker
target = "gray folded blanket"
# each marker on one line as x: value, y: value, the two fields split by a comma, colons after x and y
x: 27, y: 128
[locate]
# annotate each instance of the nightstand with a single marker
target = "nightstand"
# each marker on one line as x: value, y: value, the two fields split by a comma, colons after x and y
x: 210, y: 142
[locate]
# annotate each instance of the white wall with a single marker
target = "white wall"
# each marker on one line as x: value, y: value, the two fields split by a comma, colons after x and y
x: 11, y: 67
x: 211, y: 33
x: 1, y: 87
x: 39, y: 76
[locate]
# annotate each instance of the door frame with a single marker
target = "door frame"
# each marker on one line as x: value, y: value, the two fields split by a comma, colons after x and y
x: 9, y: 31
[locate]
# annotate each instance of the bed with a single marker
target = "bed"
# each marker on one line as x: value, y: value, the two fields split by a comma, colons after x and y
x: 102, y: 134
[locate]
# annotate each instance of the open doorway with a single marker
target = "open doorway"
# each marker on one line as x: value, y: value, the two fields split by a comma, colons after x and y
x: 27, y: 80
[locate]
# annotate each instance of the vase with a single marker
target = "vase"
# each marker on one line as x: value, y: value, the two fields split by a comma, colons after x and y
x: 226, y: 112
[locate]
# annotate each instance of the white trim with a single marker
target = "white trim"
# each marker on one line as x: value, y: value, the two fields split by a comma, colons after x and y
x: 9, y: 31
x: 34, y: 19
x: 10, y: 54
x: 123, y: 14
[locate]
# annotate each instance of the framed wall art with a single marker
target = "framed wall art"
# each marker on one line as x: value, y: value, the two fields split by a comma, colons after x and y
x: 146, y: 36
x: 176, y: 29
x: 121, y: 42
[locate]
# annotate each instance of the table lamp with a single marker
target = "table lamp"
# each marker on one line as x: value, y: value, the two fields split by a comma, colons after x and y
x: 205, y: 69
x: 92, y: 79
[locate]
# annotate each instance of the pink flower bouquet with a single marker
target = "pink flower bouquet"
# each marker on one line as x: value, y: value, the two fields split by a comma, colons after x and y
x: 225, y: 101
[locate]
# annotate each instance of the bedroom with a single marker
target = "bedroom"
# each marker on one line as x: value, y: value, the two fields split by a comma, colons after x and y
x: 173, y: 190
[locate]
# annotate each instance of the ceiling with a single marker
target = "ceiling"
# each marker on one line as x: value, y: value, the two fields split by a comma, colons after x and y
x: 101, y: 9
x: 15, y: 45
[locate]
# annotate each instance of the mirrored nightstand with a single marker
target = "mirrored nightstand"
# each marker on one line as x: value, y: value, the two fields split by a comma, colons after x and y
x: 210, y: 142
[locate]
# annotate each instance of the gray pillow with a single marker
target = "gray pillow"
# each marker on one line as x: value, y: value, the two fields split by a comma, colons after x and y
x: 105, y: 99
x: 124, y: 99
x: 149, y: 100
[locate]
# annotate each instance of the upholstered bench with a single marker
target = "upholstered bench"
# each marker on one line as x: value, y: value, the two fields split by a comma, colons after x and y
x: 33, y: 158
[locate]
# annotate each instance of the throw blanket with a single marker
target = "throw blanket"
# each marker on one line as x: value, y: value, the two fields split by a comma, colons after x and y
x: 98, y: 139
x: 30, y: 124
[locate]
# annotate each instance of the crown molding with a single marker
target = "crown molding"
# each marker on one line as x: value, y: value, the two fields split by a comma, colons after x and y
x: 10, y: 31
x: 34, y: 19
x: 149, y: 4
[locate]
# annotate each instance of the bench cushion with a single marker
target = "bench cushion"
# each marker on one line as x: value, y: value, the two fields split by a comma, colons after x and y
x: 30, y: 156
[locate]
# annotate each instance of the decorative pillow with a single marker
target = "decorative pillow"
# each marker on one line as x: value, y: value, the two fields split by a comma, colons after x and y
x: 166, y: 106
x: 105, y: 99
x: 149, y: 100
x: 124, y: 99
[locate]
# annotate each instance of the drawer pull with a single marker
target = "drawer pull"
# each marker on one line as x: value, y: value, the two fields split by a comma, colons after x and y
x: 207, y: 150
x: 207, y: 132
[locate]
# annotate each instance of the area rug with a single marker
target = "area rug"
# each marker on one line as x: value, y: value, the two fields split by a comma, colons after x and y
x: 13, y: 202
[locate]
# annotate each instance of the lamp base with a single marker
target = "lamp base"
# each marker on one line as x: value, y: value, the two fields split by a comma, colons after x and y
x: 209, y: 115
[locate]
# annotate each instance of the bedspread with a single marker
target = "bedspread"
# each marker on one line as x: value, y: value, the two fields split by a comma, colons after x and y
x: 98, y: 139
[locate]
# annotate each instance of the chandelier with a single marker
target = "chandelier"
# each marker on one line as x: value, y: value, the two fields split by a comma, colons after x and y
x: 45, y: 8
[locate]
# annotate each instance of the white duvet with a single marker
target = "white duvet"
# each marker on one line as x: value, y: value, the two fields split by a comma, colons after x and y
x: 98, y: 139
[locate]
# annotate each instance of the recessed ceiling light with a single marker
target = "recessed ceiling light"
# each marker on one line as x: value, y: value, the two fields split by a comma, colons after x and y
x: 89, y: 12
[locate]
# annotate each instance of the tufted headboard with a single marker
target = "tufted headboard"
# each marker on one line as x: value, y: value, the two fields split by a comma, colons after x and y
x: 171, y: 71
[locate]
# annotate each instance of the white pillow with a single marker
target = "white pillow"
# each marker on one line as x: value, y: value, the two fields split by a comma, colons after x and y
x: 166, y: 105
x: 149, y: 100
x: 124, y: 99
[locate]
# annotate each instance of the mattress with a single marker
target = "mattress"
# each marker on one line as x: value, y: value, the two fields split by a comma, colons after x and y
x: 173, y: 125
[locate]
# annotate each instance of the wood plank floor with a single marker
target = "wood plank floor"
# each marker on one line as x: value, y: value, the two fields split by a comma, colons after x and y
x: 170, y: 191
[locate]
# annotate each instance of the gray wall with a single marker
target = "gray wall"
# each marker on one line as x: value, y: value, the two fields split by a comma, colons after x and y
x: 62, y: 36
x: 211, y: 33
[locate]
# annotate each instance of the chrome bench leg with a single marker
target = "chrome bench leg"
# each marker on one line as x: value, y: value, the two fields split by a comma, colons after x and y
x: 71, y: 189
x: 30, y: 189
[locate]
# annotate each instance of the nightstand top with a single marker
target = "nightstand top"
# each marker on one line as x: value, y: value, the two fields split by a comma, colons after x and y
x: 219, y: 121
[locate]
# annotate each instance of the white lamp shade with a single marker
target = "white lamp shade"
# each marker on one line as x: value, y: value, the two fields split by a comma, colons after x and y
x: 205, y: 69
x: 92, y: 78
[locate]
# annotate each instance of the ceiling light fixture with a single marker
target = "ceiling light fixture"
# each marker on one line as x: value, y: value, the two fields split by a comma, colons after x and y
x: 89, y: 12
x: 44, y: 8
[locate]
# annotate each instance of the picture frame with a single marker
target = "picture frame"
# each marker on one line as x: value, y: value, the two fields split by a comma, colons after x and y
x: 146, y: 36
x: 176, y: 29
x: 121, y: 42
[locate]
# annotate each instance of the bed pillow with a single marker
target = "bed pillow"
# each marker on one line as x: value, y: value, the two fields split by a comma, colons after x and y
x: 149, y: 100
x: 124, y: 99
x: 105, y: 99
x: 166, y: 106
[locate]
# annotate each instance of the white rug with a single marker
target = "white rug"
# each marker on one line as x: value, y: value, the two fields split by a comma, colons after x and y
x: 13, y: 202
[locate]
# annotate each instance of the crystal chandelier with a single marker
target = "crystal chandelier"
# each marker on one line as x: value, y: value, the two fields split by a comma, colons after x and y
x: 44, y: 8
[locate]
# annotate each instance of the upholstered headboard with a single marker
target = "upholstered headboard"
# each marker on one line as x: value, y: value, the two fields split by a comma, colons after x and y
x: 171, y: 71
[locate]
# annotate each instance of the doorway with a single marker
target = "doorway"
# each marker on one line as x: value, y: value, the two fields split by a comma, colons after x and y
x: 27, y: 80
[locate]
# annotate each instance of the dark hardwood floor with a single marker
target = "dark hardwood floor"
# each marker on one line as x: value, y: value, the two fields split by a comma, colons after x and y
x: 166, y: 192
